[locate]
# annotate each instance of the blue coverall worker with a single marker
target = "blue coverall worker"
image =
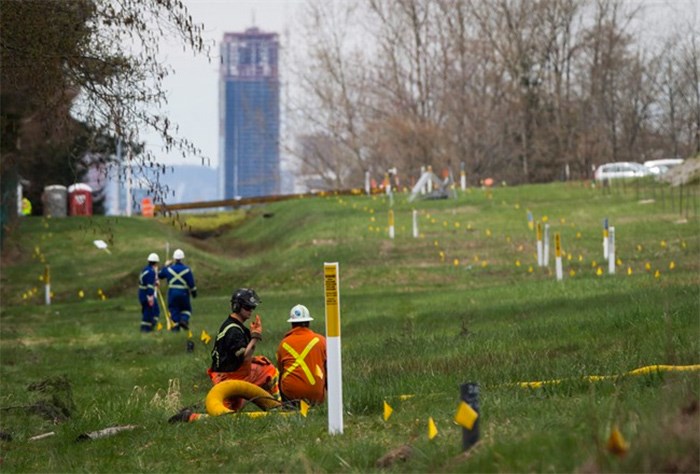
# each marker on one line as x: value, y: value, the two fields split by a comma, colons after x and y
x: 180, y: 286
x: 147, y: 294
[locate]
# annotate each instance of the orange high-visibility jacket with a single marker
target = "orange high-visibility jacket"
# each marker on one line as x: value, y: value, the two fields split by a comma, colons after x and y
x: 301, y: 361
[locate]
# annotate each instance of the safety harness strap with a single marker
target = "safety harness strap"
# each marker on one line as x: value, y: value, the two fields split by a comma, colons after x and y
x: 299, y: 360
x: 177, y: 281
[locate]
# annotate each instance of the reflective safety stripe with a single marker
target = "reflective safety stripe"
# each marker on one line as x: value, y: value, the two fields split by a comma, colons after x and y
x: 299, y: 362
x: 223, y: 333
x: 177, y: 281
x: 141, y: 284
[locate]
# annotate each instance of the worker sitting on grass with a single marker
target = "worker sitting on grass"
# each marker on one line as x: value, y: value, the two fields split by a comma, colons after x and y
x: 232, y: 356
x: 147, y: 294
x: 301, y: 360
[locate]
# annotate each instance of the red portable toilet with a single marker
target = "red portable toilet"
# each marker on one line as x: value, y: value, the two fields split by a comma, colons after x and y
x: 80, y: 199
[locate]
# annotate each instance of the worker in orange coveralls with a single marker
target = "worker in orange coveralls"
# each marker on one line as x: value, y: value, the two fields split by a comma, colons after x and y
x: 301, y: 360
x: 232, y: 356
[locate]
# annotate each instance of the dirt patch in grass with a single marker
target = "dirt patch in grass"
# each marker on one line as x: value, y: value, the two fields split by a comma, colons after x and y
x: 685, y: 428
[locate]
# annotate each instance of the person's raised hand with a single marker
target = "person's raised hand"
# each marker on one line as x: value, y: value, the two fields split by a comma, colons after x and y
x: 256, y: 328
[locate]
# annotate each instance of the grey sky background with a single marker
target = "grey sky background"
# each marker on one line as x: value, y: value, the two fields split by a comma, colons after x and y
x: 193, y: 87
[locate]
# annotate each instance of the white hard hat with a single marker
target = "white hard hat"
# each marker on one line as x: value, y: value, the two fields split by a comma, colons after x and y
x: 178, y: 254
x: 153, y: 258
x: 299, y: 314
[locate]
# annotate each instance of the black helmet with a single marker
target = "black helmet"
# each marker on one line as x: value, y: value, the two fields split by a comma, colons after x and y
x: 244, y: 297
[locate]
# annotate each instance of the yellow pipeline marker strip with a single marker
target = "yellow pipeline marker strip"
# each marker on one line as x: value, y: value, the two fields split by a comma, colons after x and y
x: 640, y: 371
x: 591, y: 378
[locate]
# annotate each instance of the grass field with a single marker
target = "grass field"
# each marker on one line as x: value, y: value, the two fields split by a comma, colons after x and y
x: 465, y: 301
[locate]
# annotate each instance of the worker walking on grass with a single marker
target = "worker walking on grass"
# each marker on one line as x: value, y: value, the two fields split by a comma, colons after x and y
x: 301, y: 360
x: 232, y: 356
x: 148, y: 282
x: 180, y: 286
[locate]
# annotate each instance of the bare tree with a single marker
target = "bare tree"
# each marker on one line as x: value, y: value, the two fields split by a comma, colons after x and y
x: 90, y: 62
x: 517, y: 89
x: 332, y: 77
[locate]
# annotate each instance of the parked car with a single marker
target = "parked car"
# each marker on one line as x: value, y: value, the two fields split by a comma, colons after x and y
x: 658, y: 167
x: 621, y: 169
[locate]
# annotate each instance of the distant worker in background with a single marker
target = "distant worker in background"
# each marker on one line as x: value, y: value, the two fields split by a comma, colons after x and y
x: 180, y: 286
x: 148, y: 281
x: 26, y: 207
x: 232, y: 356
x: 301, y: 360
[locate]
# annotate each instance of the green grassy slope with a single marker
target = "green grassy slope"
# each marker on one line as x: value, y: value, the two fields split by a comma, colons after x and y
x: 465, y: 301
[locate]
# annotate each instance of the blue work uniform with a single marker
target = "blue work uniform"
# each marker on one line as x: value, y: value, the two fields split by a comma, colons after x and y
x: 147, y: 287
x: 180, y: 286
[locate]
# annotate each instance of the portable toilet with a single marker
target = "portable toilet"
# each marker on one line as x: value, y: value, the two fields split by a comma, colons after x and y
x: 80, y: 199
x: 147, y: 207
x: 55, y: 199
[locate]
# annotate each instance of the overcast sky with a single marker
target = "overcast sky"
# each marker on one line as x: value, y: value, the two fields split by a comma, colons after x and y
x: 193, y: 88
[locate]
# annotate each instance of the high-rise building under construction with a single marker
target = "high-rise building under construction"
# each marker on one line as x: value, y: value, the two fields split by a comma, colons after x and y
x: 249, y: 115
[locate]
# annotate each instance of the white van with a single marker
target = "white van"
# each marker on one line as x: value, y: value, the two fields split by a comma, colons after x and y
x: 620, y: 169
x: 658, y: 167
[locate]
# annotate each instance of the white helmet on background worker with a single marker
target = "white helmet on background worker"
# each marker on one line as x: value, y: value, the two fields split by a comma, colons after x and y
x: 178, y: 254
x: 153, y: 258
x: 299, y: 314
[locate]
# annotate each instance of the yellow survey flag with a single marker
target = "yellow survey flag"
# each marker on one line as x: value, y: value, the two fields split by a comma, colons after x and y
x: 159, y: 327
x: 387, y: 411
x: 616, y: 443
x: 205, y: 337
x: 432, y: 429
x: 466, y: 416
x: 303, y: 408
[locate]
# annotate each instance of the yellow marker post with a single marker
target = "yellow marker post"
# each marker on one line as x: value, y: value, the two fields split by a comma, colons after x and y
x: 391, y: 224
x: 605, y: 238
x: 545, y: 253
x: 331, y: 290
x: 47, y: 285
x: 557, y: 256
